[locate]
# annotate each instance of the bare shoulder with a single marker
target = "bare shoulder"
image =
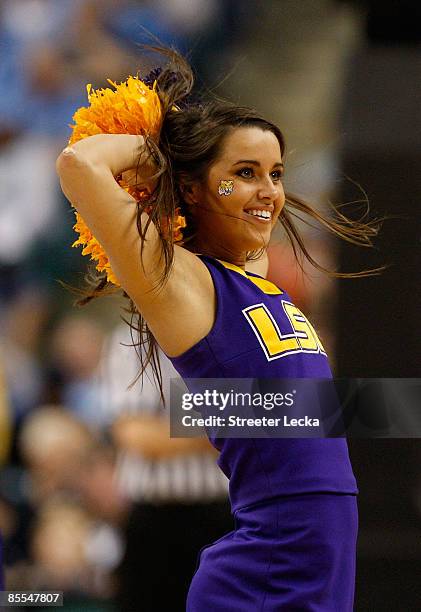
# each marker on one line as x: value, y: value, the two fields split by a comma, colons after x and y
x: 182, y: 311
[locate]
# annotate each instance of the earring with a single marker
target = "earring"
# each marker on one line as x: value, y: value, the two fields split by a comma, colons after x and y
x: 225, y: 187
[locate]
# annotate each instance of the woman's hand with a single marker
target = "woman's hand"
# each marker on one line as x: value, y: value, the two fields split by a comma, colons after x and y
x: 141, y: 176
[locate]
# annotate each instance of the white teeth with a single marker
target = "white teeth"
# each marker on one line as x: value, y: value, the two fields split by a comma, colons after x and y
x: 264, y: 214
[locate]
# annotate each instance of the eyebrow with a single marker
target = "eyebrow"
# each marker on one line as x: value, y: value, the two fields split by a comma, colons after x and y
x: 255, y: 163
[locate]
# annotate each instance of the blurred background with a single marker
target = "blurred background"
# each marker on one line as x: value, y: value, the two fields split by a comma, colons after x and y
x: 95, y: 500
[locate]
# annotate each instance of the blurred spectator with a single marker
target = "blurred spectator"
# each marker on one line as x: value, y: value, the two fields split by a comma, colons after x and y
x: 58, y: 544
x: 23, y: 324
x: 52, y: 442
x: 74, y: 540
x: 69, y: 550
x: 74, y: 348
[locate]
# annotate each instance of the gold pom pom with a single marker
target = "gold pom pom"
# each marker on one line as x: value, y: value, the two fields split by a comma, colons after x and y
x: 131, y: 107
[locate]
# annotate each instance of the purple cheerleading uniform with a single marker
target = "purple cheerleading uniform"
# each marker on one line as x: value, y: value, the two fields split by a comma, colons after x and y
x: 293, y: 500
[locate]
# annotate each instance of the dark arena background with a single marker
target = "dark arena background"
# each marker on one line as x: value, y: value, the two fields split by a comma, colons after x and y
x: 95, y: 499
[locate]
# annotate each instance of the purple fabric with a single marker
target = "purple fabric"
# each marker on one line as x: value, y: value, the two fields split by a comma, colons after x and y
x: 261, y: 469
x: 296, y: 554
x: 293, y: 499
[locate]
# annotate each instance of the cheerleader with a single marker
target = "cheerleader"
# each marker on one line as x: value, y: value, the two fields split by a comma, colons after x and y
x: 175, y: 210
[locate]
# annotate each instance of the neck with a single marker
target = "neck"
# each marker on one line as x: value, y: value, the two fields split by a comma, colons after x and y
x: 219, y: 252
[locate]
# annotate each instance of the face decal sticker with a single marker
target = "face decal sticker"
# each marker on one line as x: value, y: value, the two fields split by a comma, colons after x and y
x: 226, y: 188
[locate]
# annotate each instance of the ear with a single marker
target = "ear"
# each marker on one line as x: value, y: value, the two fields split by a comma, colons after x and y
x: 191, y: 193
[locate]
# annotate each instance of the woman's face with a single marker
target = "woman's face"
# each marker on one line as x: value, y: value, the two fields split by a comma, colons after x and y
x: 231, y: 225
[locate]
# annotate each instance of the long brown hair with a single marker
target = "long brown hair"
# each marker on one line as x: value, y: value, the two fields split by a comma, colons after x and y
x: 190, y: 141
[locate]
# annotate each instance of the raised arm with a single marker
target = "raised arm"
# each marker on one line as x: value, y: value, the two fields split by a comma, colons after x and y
x: 87, y: 170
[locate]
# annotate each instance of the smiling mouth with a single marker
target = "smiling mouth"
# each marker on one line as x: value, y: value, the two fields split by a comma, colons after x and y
x: 261, y: 215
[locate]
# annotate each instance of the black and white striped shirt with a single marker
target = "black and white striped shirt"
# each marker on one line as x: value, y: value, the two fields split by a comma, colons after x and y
x: 188, y: 478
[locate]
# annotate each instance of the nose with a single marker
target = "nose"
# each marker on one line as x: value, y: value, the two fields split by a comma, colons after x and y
x: 267, y: 191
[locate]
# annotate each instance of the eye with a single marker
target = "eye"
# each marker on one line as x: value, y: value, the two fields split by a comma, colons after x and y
x: 277, y: 175
x: 246, y: 172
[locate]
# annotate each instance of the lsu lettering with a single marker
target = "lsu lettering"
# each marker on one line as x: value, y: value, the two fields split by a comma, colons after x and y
x: 300, y: 337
